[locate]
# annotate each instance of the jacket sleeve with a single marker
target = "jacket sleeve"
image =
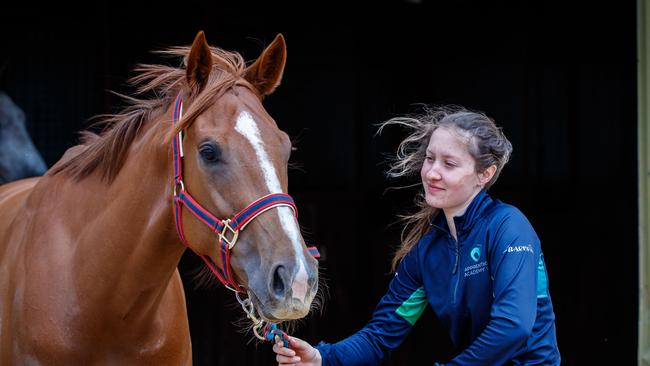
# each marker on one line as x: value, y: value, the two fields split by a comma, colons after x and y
x: 513, y: 262
x: 391, y: 321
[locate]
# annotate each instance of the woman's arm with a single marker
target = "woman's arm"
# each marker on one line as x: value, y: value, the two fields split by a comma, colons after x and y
x: 391, y: 321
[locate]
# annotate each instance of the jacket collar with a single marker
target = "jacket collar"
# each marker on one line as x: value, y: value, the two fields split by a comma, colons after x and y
x: 467, y: 220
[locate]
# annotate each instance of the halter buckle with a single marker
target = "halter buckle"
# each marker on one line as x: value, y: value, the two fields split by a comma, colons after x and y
x: 225, y: 231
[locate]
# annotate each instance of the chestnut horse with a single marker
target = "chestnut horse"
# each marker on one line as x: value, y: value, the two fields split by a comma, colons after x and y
x: 89, y: 251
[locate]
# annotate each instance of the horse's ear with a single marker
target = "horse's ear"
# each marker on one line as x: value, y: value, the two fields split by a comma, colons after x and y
x: 199, y: 63
x: 266, y: 72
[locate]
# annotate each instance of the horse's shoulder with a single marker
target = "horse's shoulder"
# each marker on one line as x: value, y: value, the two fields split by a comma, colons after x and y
x: 15, y: 188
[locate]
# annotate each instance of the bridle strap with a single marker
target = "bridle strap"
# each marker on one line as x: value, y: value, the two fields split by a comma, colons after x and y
x: 226, y: 230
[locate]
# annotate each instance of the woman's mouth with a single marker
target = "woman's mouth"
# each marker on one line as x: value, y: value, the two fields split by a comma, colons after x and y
x: 434, y: 189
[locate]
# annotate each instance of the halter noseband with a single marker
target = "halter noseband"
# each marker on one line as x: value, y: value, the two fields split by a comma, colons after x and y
x: 226, y: 230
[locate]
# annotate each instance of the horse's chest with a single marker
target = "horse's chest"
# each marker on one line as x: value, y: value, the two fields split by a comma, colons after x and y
x: 73, y: 347
x: 58, y: 328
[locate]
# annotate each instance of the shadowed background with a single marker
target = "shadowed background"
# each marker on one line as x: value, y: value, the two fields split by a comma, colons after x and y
x: 561, y: 82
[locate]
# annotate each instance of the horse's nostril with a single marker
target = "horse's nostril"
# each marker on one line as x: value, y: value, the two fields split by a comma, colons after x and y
x: 277, y: 285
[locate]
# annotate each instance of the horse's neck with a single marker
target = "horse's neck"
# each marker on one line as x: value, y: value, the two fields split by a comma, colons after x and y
x: 127, y: 250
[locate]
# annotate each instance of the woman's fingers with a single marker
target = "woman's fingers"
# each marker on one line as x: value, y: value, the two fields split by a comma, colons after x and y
x: 284, y: 360
x: 280, y: 349
x: 285, y: 356
x: 298, y: 352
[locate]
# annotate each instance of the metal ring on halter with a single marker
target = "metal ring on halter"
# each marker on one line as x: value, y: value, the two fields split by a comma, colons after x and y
x: 232, y: 289
x: 176, y: 185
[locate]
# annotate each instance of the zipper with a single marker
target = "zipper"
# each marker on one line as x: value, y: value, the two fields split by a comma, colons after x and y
x: 456, y: 252
x: 455, y: 272
x: 455, y: 268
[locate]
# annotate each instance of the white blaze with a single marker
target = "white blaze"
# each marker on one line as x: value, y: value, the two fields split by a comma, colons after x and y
x: 247, y: 127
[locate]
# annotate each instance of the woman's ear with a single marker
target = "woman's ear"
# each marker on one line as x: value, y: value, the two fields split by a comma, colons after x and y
x: 485, y: 176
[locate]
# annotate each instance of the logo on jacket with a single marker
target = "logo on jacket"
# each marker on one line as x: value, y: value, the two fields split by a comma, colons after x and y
x: 519, y: 248
x: 475, y: 254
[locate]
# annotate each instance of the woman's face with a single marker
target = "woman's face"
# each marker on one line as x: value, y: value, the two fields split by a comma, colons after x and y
x: 448, y: 174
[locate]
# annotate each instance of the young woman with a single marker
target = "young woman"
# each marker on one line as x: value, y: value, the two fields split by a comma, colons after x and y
x: 477, y: 262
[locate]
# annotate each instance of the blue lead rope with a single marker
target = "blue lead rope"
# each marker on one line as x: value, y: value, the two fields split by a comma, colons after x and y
x: 273, y: 330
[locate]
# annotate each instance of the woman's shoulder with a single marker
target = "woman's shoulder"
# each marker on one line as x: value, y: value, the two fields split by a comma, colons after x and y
x: 427, y: 241
x: 506, y: 216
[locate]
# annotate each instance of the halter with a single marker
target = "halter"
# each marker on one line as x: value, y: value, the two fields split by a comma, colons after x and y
x: 227, y: 230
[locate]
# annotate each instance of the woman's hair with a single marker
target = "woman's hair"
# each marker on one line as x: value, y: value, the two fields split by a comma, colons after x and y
x: 486, y: 144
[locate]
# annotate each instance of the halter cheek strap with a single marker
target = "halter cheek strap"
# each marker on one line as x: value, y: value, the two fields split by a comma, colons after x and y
x: 227, y: 230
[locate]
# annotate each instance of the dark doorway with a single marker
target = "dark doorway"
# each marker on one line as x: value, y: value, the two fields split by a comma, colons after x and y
x: 560, y: 80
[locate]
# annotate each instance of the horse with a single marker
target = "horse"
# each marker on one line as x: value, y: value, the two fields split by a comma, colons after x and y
x: 19, y: 158
x: 89, y: 251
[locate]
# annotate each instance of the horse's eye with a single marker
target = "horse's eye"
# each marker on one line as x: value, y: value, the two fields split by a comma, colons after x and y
x: 210, y: 152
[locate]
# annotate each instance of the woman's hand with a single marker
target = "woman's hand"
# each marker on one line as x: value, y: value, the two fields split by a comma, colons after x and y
x: 299, y: 353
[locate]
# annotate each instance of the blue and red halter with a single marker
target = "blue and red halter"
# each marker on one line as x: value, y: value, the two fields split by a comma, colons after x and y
x: 227, y: 230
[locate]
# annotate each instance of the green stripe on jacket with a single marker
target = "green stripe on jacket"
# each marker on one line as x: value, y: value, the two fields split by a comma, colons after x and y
x: 412, y: 308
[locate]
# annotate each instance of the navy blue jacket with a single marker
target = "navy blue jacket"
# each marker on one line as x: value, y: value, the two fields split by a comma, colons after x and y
x: 489, y: 289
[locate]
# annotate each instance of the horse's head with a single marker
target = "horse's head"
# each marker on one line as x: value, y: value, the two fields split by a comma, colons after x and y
x: 18, y: 155
x: 234, y: 153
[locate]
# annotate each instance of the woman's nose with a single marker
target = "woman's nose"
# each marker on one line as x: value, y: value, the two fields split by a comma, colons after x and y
x: 432, y: 173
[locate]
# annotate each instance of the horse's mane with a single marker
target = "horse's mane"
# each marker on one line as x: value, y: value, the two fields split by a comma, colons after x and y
x: 107, y: 150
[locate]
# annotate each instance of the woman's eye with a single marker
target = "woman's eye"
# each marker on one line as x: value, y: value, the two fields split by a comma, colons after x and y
x: 450, y: 163
x: 210, y: 153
